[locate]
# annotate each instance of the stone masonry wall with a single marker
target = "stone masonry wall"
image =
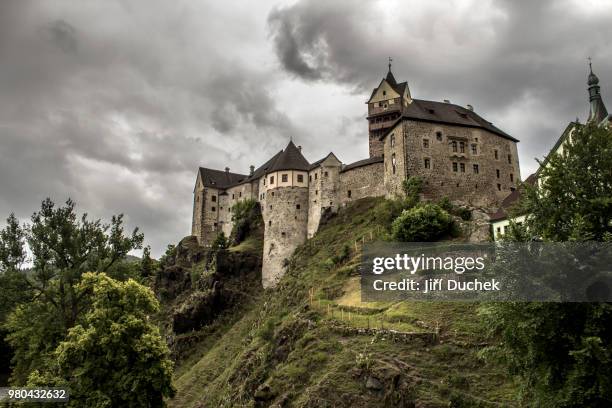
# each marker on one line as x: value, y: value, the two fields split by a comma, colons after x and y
x: 483, y: 186
x: 324, y: 185
x: 364, y: 181
x: 285, y: 226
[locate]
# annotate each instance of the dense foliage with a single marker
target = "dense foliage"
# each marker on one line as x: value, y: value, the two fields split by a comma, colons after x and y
x: 562, y: 352
x: 114, y: 357
x: 425, y: 222
x: 246, y: 218
x: 66, y: 325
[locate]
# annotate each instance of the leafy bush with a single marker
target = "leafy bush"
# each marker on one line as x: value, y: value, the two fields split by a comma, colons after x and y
x: 412, y: 187
x: 425, y: 222
x: 246, y: 218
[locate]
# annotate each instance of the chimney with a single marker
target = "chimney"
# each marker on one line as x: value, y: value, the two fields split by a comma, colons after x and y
x: 252, y: 170
x: 300, y: 148
x: 446, y: 101
x: 470, y: 108
x: 227, y: 169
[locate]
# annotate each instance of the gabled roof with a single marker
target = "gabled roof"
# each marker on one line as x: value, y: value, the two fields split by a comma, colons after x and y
x: 399, y: 88
x: 511, y: 200
x: 318, y: 162
x: 560, y: 141
x: 361, y: 163
x: 219, y: 178
x: 443, y: 112
x: 290, y: 159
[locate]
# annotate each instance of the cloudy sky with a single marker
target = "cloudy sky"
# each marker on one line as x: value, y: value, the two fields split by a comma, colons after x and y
x: 116, y: 103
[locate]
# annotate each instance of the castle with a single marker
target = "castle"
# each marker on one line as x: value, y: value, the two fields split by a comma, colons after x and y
x: 454, y: 150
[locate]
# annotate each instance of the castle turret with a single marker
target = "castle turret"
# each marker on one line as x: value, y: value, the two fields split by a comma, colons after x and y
x: 285, y: 211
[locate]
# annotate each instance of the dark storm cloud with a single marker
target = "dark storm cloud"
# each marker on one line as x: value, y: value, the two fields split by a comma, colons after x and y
x: 522, y: 64
x: 115, y: 105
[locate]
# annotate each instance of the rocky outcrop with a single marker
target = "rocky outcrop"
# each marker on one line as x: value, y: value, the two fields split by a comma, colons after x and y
x: 197, y: 284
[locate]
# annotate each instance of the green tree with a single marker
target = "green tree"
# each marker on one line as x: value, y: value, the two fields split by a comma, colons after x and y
x: 246, y: 218
x: 574, y: 195
x: 422, y: 223
x: 114, y: 357
x: 147, y: 264
x: 12, y: 251
x: 562, y: 352
x: 63, y: 247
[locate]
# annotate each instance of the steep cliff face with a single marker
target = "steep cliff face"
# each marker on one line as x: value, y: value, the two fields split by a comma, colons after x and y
x: 311, y: 342
x: 198, y: 286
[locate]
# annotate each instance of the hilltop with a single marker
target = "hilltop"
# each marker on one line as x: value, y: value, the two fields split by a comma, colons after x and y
x: 310, y: 342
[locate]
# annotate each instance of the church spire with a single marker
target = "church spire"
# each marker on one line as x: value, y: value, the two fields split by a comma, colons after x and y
x: 598, y: 112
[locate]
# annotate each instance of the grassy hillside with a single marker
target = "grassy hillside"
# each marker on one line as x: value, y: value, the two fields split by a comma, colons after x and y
x: 312, y: 343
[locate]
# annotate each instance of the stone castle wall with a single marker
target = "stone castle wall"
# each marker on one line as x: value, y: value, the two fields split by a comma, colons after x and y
x: 361, y: 182
x: 285, y: 227
x: 323, y: 194
x: 452, y: 173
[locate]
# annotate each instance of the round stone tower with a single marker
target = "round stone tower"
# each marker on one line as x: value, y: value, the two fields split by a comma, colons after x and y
x: 285, y: 212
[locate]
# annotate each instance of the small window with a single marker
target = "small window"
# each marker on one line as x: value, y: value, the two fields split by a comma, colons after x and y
x: 213, y: 199
x: 454, y: 144
x: 271, y: 179
x: 475, y: 169
x: 498, y: 230
x: 509, y: 159
x: 461, y: 147
x: 316, y: 192
x: 273, y: 194
x: 349, y: 193
x: 511, y: 177
x: 316, y: 175
x: 462, y: 167
x: 240, y: 194
x: 392, y: 140
x: 455, y: 167
x: 476, y: 139
x: 499, y: 187
x: 384, y: 93
x: 310, y: 178
x: 285, y: 178
x: 297, y: 206
x: 283, y: 234
x: 497, y: 172
x: 326, y: 174
x: 474, y: 149
x: 495, y: 152
x: 439, y: 136
x: 220, y: 208
x: 393, y: 163
x: 213, y: 209
x: 233, y: 197
x: 269, y: 223
x: 426, y: 163
x: 426, y: 143
x: 300, y: 178
x: 270, y: 206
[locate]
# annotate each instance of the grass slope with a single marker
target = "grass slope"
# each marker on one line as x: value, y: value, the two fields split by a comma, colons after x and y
x: 287, y: 348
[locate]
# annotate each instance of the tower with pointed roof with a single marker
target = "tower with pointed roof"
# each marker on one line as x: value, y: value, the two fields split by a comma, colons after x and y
x: 598, y: 112
x: 385, y: 106
x: 284, y: 208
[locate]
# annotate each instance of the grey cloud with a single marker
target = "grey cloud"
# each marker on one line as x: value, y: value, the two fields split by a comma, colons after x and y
x: 497, y: 56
